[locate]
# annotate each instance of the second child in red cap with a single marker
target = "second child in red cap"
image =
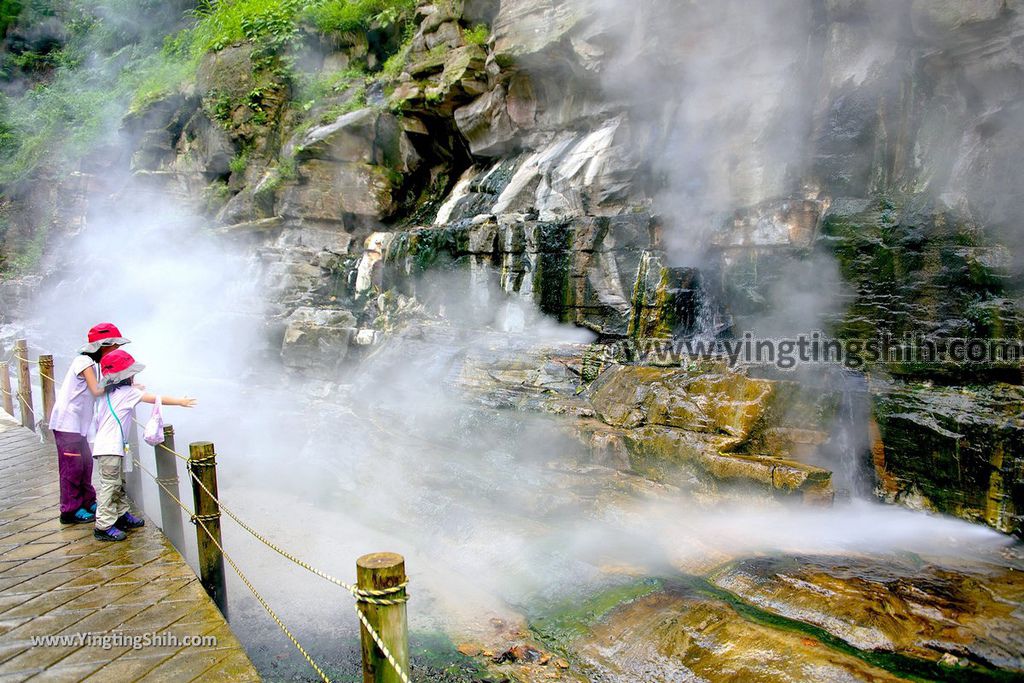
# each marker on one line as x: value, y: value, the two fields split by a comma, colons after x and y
x: 70, y: 419
x: 114, y: 415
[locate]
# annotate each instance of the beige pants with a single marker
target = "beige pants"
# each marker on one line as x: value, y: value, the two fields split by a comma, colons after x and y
x: 111, y: 500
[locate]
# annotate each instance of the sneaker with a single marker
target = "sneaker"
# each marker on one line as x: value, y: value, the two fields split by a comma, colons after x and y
x: 111, y: 534
x: 129, y: 521
x: 92, y: 508
x: 79, y: 516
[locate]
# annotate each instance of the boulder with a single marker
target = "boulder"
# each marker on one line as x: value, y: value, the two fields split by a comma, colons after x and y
x: 328, y: 191
x: 366, y: 136
x: 352, y: 166
x: 447, y: 35
x: 228, y: 74
x: 486, y: 125
x: 204, y: 148
x: 464, y: 72
x: 666, y: 301
x: 707, y: 399
x: 369, y: 273
x: 681, y: 457
x: 573, y: 174
x: 933, y: 18
x: 317, y: 340
x: 527, y: 31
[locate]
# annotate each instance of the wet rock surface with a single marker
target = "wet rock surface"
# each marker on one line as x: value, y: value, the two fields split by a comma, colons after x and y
x: 953, y: 449
x: 513, y: 171
x: 924, y: 611
x: 693, y: 638
x: 551, y: 205
x: 797, y: 618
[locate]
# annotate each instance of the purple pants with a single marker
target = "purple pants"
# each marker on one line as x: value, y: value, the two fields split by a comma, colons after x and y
x: 74, y: 461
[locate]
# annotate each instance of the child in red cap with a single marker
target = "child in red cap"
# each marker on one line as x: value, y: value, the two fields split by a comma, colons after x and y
x: 113, y: 420
x: 70, y: 419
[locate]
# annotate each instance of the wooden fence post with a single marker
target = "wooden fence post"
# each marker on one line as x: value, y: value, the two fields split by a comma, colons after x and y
x: 202, y: 464
x: 5, y: 388
x: 167, y: 484
x: 46, y: 384
x: 28, y: 416
x: 384, y: 572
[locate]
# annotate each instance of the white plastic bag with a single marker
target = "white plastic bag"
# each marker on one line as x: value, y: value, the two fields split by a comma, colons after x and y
x: 154, y: 431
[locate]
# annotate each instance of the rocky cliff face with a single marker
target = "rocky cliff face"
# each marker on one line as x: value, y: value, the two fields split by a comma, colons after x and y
x: 660, y: 171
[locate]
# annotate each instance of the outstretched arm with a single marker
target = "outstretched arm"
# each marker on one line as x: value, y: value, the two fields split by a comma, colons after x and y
x: 184, y: 402
x: 89, y: 375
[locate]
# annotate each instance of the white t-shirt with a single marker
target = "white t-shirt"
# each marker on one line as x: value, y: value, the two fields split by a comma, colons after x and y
x: 109, y: 440
x: 73, y: 406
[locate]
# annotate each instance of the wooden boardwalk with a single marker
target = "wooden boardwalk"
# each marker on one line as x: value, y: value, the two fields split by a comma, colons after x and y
x: 58, y: 580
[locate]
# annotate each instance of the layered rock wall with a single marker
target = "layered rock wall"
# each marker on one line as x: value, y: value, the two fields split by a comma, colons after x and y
x: 660, y: 171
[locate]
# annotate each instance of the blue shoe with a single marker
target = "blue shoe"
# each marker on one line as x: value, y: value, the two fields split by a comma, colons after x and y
x: 92, y: 508
x: 111, y: 534
x: 80, y: 516
x: 129, y: 521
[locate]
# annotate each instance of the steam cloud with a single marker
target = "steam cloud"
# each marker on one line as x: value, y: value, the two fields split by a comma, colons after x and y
x: 490, y: 507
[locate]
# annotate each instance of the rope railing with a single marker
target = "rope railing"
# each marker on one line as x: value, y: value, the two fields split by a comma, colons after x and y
x: 373, y: 597
x: 241, y: 575
x: 363, y: 595
x: 392, y: 596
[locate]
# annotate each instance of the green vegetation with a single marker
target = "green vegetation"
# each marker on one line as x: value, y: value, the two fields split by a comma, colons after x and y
x: 216, y: 194
x: 9, y: 11
x: 355, y: 15
x: 563, y: 622
x: 394, y: 65
x: 240, y: 162
x: 29, y: 255
x: 109, y: 58
x: 122, y: 55
x: 477, y: 35
x: 222, y: 24
x: 287, y: 169
x: 313, y: 88
x: 78, y: 100
x: 155, y: 77
x: 61, y: 121
x: 356, y: 102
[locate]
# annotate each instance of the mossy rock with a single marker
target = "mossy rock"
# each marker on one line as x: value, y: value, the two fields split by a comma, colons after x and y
x: 921, y: 269
x: 958, y: 450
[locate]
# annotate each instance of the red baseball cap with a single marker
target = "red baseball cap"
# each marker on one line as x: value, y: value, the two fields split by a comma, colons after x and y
x: 118, y: 366
x: 104, y: 334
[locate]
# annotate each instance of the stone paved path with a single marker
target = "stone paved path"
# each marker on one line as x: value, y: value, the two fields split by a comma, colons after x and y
x: 58, y: 580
